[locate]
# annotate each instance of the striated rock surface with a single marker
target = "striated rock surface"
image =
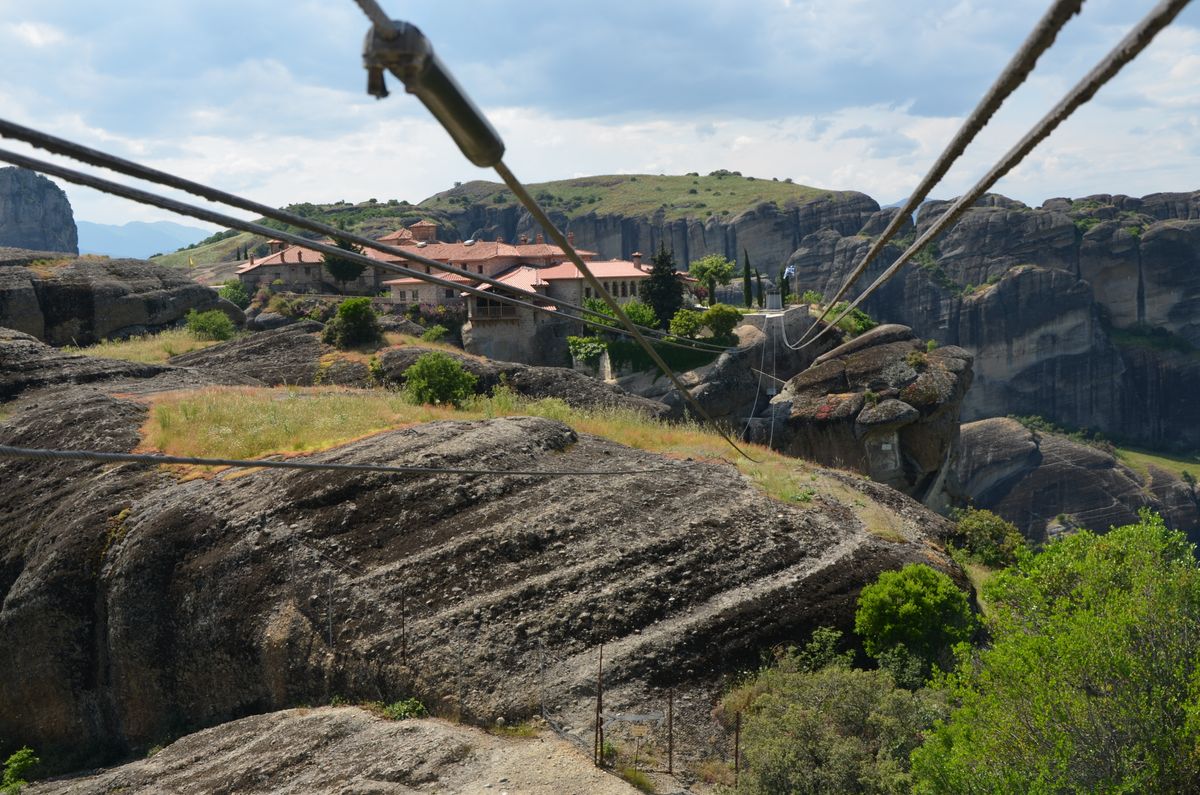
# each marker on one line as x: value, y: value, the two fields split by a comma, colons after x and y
x: 82, y: 301
x: 35, y: 213
x: 879, y: 404
x: 146, y: 604
x: 347, y: 749
x: 1046, y: 483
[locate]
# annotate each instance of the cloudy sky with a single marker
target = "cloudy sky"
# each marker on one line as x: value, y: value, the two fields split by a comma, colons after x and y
x: 268, y: 98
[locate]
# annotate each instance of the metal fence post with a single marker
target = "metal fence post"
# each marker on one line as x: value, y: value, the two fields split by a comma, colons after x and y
x: 671, y: 731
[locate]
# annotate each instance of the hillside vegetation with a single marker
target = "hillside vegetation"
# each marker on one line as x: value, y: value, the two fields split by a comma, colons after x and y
x: 721, y: 192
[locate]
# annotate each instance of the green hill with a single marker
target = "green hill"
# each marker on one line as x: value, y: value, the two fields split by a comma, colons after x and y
x: 721, y: 192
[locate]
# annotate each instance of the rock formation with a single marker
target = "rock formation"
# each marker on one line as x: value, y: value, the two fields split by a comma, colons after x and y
x: 1083, y: 311
x: 346, y: 749
x: 145, y: 605
x: 880, y: 404
x: 35, y: 213
x: 72, y: 301
x: 1047, y: 484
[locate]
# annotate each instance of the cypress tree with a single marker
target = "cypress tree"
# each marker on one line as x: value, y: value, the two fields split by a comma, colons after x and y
x: 712, y: 290
x: 785, y: 288
x: 747, y: 295
x: 758, y: 280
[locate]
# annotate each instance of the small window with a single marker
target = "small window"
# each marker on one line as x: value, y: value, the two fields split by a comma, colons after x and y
x: 481, y: 269
x: 587, y: 292
x: 624, y: 289
x: 449, y: 293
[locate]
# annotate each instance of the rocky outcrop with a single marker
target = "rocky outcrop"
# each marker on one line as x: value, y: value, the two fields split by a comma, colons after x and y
x: 1046, y: 483
x: 26, y: 363
x: 335, y: 750
x: 880, y: 404
x: 145, y: 605
x: 35, y: 213
x: 82, y: 301
x: 1083, y: 311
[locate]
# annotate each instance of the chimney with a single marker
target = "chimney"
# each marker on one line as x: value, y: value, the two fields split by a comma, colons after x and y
x: 637, y: 258
x: 540, y: 239
x: 571, y: 239
x: 499, y: 238
x: 524, y: 239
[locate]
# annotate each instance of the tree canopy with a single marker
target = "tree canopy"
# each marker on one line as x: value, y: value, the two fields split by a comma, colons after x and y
x: 1092, y: 681
x: 662, y: 291
x: 340, y: 268
x: 714, y: 267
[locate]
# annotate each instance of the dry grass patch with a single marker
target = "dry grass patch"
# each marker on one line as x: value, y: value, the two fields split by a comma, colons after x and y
x: 246, y: 422
x: 148, y: 349
x: 1140, y: 461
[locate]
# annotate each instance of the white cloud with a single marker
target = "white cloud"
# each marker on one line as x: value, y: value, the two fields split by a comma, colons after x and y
x: 36, y: 34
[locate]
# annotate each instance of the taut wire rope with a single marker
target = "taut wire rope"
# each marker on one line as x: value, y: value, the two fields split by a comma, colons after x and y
x: 1125, y: 51
x: 1018, y: 69
x: 95, y: 157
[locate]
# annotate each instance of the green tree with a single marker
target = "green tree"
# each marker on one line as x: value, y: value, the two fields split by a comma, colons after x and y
x: 759, y: 289
x: 235, y: 293
x: 747, y: 297
x: 437, y: 378
x: 341, y: 268
x: 712, y: 270
x: 988, y: 538
x: 687, y: 323
x: 662, y: 290
x: 354, y: 324
x: 15, y: 769
x: 918, y: 608
x: 712, y: 290
x: 1092, y: 682
x: 722, y: 319
x: 785, y: 289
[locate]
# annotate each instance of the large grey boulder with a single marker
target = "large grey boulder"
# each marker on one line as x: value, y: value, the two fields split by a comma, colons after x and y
x: 35, y: 213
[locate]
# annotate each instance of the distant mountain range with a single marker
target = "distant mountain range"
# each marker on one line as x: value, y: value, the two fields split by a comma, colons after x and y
x: 139, y: 239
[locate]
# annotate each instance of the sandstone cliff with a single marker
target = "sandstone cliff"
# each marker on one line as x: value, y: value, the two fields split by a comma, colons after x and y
x: 1084, y: 311
x: 35, y: 213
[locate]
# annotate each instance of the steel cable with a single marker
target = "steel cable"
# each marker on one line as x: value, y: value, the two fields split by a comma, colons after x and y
x: 1018, y: 69
x: 1128, y: 49
x: 95, y: 157
x: 182, y: 208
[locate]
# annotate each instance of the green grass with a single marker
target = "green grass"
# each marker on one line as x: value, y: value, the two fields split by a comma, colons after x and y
x: 248, y: 422
x: 636, y: 194
x: 637, y: 779
x: 1141, y: 460
x: 148, y: 349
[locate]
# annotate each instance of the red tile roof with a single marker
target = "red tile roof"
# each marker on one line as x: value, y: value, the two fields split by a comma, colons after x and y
x: 480, y: 251
x: 604, y: 269
x: 450, y: 277
x: 292, y: 255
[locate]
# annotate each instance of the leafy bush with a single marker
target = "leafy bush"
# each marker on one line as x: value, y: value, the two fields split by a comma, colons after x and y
x: 586, y: 349
x: 434, y: 333
x: 722, y: 319
x: 15, y: 769
x: 1092, y: 682
x: 988, y: 538
x: 854, y: 323
x: 437, y: 378
x: 917, y: 360
x: 918, y: 607
x: 355, y: 324
x: 235, y: 293
x: 812, y: 297
x: 687, y: 323
x: 403, y: 710
x: 211, y: 325
x: 835, y: 729
x: 641, y: 314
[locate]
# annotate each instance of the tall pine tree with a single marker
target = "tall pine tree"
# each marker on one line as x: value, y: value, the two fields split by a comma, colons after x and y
x: 758, y: 282
x: 340, y: 268
x: 747, y: 295
x: 662, y: 291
